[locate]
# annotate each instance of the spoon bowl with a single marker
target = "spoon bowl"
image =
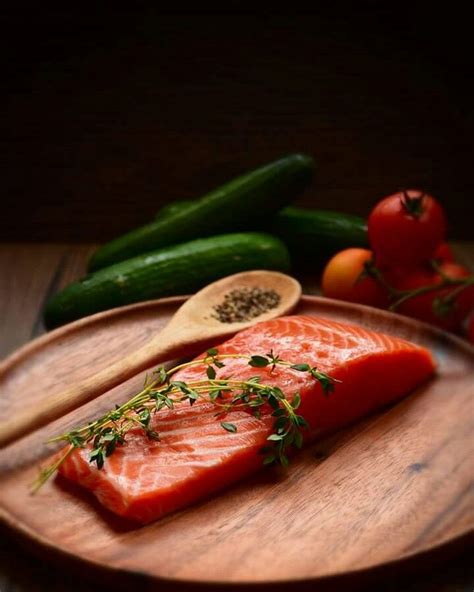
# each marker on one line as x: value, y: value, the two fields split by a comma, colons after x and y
x: 192, y: 326
x: 196, y: 319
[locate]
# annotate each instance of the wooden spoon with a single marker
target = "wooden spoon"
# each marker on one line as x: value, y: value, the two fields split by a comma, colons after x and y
x: 192, y: 326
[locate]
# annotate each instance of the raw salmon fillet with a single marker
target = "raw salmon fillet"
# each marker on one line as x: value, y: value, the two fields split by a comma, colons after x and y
x: 144, y: 479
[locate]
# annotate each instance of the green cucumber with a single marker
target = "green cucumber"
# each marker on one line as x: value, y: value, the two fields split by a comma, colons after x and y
x: 314, y: 235
x: 180, y: 269
x: 311, y: 235
x: 242, y: 204
x: 172, y: 207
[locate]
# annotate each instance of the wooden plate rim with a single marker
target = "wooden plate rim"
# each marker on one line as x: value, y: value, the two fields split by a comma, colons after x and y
x: 37, y: 542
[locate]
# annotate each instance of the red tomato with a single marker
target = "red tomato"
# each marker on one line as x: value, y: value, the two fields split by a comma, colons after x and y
x: 405, y: 228
x: 443, y: 253
x: 341, y: 279
x: 421, y: 307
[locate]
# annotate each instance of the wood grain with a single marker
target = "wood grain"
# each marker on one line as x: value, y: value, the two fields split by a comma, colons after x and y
x: 29, y: 275
x: 23, y: 285
x: 407, y: 472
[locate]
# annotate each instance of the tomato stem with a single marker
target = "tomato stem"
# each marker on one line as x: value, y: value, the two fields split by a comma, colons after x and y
x: 413, y: 205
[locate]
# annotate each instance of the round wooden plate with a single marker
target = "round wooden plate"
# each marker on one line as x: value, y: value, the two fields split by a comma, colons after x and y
x: 390, y: 488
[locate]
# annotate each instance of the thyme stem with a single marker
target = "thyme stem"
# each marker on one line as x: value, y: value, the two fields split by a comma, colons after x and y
x: 49, y: 471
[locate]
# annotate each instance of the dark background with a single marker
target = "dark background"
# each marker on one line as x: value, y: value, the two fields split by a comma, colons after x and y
x: 110, y: 113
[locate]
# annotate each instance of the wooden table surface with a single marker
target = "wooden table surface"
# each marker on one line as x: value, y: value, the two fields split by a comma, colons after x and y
x: 29, y: 274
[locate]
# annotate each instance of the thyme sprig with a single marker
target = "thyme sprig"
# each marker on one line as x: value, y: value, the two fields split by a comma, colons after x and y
x: 227, y: 394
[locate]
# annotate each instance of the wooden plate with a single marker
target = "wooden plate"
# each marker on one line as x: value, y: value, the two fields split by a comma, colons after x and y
x: 390, y: 488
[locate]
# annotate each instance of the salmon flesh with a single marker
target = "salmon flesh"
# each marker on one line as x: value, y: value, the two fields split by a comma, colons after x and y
x: 145, y: 479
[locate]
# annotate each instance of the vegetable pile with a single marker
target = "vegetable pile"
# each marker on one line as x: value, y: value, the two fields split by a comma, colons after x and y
x: 248, y: 224
x: 409, y: 269
x: 240, y: 226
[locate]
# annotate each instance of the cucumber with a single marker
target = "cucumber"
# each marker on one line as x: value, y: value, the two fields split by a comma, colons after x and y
x: 311, y: 235
x: 171, y: 208
x: 179, y: 269
x: 242, y: 204
x: 314, y: 235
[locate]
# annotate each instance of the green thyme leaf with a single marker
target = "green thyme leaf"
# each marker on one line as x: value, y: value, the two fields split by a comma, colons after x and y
x: 182, y: 386
x: 301, y: 367
x: 254, y: 379
x: 280, y: 424
x: 296, y: 401
x: 144, y: 417
x: 98, y: 456
x: 326, y: 381
x: 273, y: 401
x: 298, y: 439
x: 275, y: 437
x: 301, y: 421
x: 215, y: 394
x: 230, y: 427
x: 258, y: 361
x: 75, y: 439
x: 108, y: 437
x: 110, y: 448
x: 193, y: 396
x: 211, y: 373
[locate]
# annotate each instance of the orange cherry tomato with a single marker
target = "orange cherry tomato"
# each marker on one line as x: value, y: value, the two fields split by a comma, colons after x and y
x: 342, y: 279
x: 421, y: 307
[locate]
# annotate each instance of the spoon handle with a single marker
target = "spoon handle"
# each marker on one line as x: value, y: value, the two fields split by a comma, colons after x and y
x: 157, y: 350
